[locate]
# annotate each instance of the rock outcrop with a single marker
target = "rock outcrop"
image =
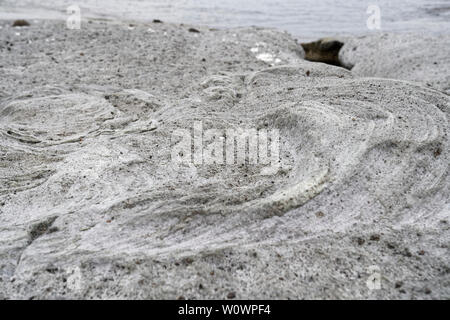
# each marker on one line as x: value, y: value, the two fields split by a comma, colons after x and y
x: 92, y: 204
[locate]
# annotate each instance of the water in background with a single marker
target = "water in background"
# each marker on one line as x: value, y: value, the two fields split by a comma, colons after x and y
x: 306, y: 19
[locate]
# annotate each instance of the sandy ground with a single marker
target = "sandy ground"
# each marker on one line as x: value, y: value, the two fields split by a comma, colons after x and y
x: 92, y: 205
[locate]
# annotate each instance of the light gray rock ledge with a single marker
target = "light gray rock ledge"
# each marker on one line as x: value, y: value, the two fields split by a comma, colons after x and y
x: 413, y: 57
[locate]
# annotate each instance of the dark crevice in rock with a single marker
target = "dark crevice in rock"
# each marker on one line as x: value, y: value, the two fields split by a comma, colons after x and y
x: 325, y: 51
x: 35, y: 231
x: 21, y: 23
x: 40, y: 229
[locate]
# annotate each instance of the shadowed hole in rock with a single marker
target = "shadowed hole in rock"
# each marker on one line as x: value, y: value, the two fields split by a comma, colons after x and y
x: 324, y: 50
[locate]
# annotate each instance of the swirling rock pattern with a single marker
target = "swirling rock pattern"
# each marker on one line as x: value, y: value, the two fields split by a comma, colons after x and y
x: 92, y: 206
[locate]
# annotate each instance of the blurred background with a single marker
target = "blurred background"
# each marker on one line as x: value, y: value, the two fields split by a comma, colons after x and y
x: 305, y: 19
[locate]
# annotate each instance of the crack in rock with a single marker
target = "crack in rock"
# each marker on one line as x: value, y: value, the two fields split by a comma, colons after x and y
x: 40, y: 229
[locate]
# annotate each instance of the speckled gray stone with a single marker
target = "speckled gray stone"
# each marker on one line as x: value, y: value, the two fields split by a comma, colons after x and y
x: 91, y: 205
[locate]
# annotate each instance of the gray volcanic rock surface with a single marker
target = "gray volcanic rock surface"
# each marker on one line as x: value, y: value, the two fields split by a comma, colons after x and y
x: 92, y: 205
x: 413, y: 57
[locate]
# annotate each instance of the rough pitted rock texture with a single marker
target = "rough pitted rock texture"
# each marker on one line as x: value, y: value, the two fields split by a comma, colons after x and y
x: 413, y: 57
x: 92, y: 205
